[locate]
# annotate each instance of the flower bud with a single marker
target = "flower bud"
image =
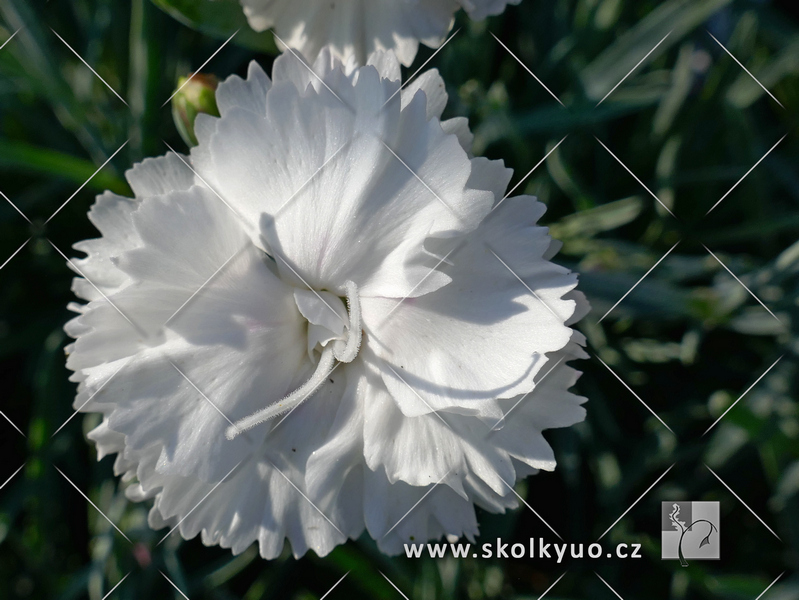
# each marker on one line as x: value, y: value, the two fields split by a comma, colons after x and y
x: 195, y: 97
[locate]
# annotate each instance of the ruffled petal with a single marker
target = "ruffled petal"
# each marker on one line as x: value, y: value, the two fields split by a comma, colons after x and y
x: 435, y: 448
x: 265, y: 499
x: 398, y: 514
x: 353, y: 29
x: 325, y: 70
x: 459, y: 127
x: 111, y: 214
x: 549, y: 406
x: 158, y: 176
x: 339, y: 456
x: 485, y: 335
x: 207, y: 336
x: 289, y: 176
x: 248, y: 94
x: 431, y: 83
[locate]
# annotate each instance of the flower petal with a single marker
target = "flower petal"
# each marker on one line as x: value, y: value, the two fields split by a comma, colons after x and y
x: 353, y: 29
x: 111, y: 214
x: 483, y: 336
x: 158, y: 176
x: 322, y: 308
x: 459, y: 127
x: 436, y: 448
x: 248, y: 94
x: 399, y: 513
x: 225, y: 336
x: 431, y: 83
x: 264, y: 498
x: 550, y: 405
x: 291, y: 173
x: 339, y: 456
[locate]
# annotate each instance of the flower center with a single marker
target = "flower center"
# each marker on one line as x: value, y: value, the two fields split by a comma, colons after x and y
x: 342, y: 349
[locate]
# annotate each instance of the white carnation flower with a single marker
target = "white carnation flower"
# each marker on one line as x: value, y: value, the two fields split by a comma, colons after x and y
x: 354, y: 29
x: 324, y: 319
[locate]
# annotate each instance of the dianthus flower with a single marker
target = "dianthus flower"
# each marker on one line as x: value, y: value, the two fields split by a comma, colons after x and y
x: 326, y: 318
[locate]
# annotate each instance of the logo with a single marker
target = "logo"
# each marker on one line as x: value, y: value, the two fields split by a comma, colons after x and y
x: 690, y: 530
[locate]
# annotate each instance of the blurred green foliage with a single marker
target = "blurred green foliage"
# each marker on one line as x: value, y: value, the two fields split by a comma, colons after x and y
x: 689, y: 340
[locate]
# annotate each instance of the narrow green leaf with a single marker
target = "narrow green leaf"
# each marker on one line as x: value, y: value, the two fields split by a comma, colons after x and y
x: 20, y: 155
x: 590, y: 222
x: 745, y: 91
x: 219, y: 19
x: 674, y: 18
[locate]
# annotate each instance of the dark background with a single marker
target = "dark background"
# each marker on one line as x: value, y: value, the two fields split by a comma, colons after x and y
x: 689, y: 340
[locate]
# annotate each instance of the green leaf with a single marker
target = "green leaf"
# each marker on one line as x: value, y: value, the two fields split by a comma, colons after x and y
x: 348, y: 559
x: 553, y: 120
x: 745, y: 90
x: 43, y: 160
x: 674, y: 18
x: 736, y: 586
x: 219, y: 19
x: 593, y: 221
x: 652, y: 297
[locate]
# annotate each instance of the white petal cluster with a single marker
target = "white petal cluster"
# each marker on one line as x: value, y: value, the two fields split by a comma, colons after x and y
x: 355, y: 28
x: 331, y: 231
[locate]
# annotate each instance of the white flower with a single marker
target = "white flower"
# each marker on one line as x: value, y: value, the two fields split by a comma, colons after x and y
x: 331, y: 234
x: 354, y: 29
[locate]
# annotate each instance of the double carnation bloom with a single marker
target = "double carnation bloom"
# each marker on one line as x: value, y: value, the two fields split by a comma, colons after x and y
x: 326, y: 318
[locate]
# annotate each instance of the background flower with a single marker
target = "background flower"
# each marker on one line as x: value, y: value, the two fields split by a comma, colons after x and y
x: 355, y: 29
